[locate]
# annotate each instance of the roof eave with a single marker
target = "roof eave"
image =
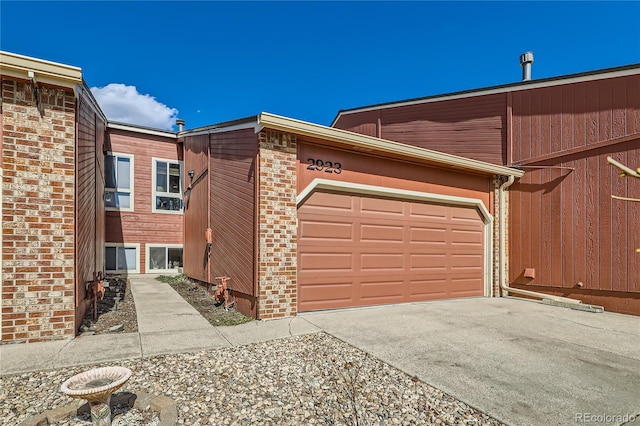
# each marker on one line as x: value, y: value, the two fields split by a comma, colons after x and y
x: 141, y: 129
x: 503, y: 88
x: 46, y: 72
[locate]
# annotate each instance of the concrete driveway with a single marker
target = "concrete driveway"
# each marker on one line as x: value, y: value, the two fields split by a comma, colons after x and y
x: 520, y: 361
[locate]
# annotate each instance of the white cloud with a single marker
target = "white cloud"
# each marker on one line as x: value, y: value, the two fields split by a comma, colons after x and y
x: 124, y: 104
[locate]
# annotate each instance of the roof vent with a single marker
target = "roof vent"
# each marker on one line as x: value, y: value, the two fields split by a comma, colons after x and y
x: 526, y: 59
x: 180, y: 122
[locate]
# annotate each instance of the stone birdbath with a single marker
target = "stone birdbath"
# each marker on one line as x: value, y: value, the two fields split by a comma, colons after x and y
x: 96, y: 386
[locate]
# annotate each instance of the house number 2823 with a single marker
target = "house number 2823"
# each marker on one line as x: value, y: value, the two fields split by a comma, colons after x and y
x: 327, y: 166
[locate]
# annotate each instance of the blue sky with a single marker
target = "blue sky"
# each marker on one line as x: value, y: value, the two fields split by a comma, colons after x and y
x: 209, y: 62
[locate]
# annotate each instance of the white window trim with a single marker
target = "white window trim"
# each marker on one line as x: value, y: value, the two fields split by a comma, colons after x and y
x: 130, y: 191
x: 148, y: 258
x: 154, y: 160
x: 125, y: 245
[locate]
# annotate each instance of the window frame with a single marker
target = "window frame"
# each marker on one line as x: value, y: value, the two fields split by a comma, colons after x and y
x: 155, y: 193
x: 147, y: 265
x: 129, y: 191
x: 124, y: 246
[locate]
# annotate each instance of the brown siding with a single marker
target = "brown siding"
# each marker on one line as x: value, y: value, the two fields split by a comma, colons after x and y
x: 142, y: 225
x: 365, y: 123
x: 372, y: 170
x: 563, y: 221
x: 570, y: 118
x: 196, y: 155
x: 89, y: 206
x: 232, y: 170
x: 473, y: 127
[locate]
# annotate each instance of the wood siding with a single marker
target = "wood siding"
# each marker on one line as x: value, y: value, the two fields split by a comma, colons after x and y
x: 232, y: 204
x: 89, y: 205
x: 196, y: 158
x: 472, y: 127
x: 365, y: 123
x: 142, y: 225
x: 563, y: 221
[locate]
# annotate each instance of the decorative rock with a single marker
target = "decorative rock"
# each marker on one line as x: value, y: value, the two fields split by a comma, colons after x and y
x: 167, y: 409
x: 246, y: 385
x: 116, y: 328
x: 39, y: 420
x: 60, y: 413
x: 143, y: 401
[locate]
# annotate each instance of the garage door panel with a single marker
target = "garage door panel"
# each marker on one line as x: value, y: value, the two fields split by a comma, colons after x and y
x: 394, y: 251
x: 376, y: 290
x: 466, y: 261
x: 381, y: 207
x: 327, y: 202
x: 467, y: 236
x: 326, y: 263
x: 381, y: 233
x: 428, y: 262
x: 379, y: 262
x: 322, y: 296
x: 326, y: 230
x: 427, y: 287
x: 464, y: 215
x: 423, y: 211
x: 428, y: 235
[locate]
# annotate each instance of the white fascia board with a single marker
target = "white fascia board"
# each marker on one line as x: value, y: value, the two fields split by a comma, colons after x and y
x: 46, y: 72
x: 516, y: 87
x: 369, y: 143
x: 133, y: 128
x: 214, y: 129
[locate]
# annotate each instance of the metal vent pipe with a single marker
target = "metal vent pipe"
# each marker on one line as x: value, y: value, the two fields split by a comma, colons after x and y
x: 180, y: 122
x: 526, y: 59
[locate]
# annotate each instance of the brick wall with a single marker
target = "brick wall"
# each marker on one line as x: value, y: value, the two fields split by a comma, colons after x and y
x: 38, y: 213
x: 277, y: 229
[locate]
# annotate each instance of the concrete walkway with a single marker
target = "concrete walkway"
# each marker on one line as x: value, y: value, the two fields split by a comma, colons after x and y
x: 167, y: 324
x: 522, y: 362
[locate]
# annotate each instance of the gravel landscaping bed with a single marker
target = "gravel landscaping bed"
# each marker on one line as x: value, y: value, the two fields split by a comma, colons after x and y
x: 312, y: 379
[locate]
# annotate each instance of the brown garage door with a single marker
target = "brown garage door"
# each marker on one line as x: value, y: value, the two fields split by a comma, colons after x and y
x: 359, y: 250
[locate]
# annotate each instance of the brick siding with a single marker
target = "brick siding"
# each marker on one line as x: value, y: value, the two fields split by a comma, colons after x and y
x: 38, y: 213
x: 277, y: 233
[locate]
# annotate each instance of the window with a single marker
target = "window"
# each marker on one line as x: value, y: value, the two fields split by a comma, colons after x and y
x: 122, y: 257
x: 118, y: 171
x: 163, y: 258
x: 167, y: 186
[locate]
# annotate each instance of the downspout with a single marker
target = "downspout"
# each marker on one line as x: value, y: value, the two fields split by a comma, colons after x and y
x: 504, y: 280
x: 209, y: 209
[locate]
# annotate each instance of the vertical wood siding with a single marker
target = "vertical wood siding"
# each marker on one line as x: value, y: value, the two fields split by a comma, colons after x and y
x: 473, y: 127
x: 196, y: 158
x: 563, y: 222
x: 365, y: 123
x: 232, y: 170
x: 142, y: 225
x: 89, y: 206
